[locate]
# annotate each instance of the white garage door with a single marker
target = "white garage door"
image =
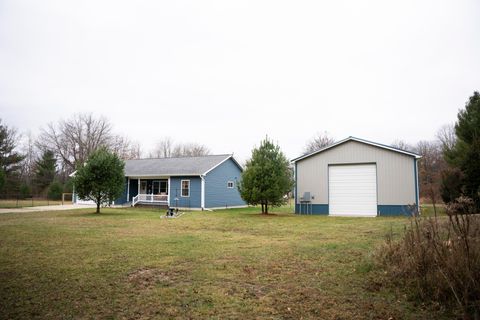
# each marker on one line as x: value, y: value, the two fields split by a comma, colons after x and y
x: 352, y: 190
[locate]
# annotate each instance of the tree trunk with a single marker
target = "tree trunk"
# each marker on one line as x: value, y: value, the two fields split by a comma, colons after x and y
x: 266, y: 207
x: 433, y: 198
x: 263, y: 210
x: 98, y: 205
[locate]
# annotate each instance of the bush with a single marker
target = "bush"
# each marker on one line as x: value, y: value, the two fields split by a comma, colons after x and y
x: 55, y: 191
x: 439, y: 260
x: 24, y: 191
x: 451, y: 184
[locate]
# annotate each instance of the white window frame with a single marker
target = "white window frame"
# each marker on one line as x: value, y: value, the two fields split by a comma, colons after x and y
x: 181, y: 188
x: 230, y: 182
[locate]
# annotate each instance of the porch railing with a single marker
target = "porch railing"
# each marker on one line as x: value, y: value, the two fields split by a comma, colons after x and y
x: 150, y: 198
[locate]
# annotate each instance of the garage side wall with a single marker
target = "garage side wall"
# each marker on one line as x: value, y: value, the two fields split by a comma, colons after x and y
x: 396, y: 176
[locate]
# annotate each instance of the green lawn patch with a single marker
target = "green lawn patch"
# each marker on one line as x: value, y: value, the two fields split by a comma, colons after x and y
x: 130, y: 263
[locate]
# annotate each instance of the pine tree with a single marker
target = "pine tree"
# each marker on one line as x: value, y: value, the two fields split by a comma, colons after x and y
x: 101, y: 179
x: 45, y: 169
x: 267, y: 177
x: 465, y: 155
x: 10, y: 160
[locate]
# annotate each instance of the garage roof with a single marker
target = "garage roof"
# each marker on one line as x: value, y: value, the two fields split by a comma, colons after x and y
x: 375, y: 144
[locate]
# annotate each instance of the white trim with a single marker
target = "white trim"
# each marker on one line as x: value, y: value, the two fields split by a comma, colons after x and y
x: 204, y: 174
x: 233, y: 184
x: 357, y: 140
x: 202, y: 192
x: 181, y: 188
x: 128, y: 189
x: 168, y: 195
x: 417, y: 187
x: 162, y: 176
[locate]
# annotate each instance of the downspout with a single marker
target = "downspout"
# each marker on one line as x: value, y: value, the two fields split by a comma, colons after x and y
x: 202, y: 192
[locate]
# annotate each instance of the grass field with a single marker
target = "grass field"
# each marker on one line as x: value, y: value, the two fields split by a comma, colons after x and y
x: 129, y: 263
x: 21, y: 203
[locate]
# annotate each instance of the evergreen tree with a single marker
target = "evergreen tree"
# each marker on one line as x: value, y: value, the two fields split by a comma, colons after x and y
x: 466, y: 153
x: 267, y: 177
x: 45, y: 169
x: 101, y: 179
x: 10, y: 160
x: 24, y: 191
x: 2, y: 179
x: 55, y: 190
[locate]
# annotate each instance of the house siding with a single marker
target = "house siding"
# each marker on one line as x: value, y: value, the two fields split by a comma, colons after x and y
x: 396, y: 175
x: 133, y: 188
x: 217, y: 194
x: 123, y: 198
x: 195, y: 198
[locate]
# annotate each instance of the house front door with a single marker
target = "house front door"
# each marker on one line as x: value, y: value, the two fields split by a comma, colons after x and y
x: 143, y: 187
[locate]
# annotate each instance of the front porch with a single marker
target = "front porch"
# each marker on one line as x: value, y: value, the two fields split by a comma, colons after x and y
x: 151, y: 199
x: 151, y: 191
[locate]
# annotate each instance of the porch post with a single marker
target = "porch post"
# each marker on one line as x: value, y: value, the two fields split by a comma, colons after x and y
x: 128, y: 189
x: 168, y: 192
x: 138, y: 186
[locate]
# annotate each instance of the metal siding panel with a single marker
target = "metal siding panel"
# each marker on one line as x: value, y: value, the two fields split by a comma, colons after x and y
x: 395, y: 181
x: 216, y: 192
x: 315, y: 209
x: 194, y: 201
x: 394, y: 210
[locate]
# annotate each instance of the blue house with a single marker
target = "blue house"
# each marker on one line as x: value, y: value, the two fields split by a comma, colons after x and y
x: 206, y: 182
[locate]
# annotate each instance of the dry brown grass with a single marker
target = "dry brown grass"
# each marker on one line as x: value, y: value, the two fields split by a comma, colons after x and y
x: 235, y: 264
x: 438, y: 261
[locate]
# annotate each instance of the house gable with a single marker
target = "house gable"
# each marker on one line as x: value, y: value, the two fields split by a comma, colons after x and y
x: 217, y: 191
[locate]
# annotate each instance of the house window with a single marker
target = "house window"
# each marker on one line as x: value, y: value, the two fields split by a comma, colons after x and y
x: 164, y: 187
x: 156, y: 187
x: 185, y: 188
x: 230, y: 184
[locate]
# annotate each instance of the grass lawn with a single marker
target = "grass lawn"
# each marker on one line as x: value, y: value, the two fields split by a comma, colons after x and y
x: 20, y: 203
x: 129, y: 263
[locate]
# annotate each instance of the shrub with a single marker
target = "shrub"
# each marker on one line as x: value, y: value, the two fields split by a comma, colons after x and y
x: 24, y: 191
x: 451, y: 184
x: 439, y: 259
x: 55, y: 191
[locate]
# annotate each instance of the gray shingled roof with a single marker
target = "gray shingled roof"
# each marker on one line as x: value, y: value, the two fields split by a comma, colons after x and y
x: 193, y: 166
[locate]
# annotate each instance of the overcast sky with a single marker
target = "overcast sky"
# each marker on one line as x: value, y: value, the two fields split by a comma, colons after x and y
x: 227, y: 73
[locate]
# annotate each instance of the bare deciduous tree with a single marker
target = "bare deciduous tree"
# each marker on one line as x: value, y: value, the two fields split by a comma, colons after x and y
x: 402, y: 145
x: 190, y: 150
x: 166, y: 148
x: 429, y: 168
x: 124, y: 148
x: 31, y: 154
x: 447, y: 137
x: 319, y: 141
x: 163, y: 148
x: 75, y: 139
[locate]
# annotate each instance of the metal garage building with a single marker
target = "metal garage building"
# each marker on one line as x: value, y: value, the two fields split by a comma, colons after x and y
x: 356, y: 177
